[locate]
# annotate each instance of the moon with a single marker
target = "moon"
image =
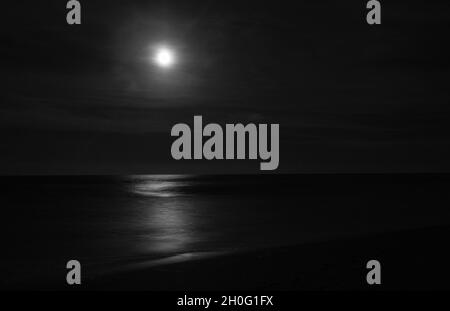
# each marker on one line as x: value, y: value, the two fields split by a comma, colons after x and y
x: 164, y: 57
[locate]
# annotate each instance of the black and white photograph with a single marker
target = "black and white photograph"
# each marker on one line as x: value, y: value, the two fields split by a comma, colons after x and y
x: 215, y: 147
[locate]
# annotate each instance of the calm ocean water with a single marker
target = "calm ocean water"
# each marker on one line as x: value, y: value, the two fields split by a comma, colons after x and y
x: 109, y: 221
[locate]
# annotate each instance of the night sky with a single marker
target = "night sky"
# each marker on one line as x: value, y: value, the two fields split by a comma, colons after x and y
x: 349, y: 97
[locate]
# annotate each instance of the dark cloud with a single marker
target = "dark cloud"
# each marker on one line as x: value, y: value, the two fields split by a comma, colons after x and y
x: 348, y: 97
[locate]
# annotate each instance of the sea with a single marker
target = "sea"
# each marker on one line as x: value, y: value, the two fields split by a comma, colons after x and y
x: 112, y: 222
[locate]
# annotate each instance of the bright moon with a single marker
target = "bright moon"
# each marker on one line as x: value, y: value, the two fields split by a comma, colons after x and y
x: 164, y: 57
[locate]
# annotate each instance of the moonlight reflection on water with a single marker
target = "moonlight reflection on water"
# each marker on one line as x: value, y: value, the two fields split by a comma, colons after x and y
x: 169, y: 216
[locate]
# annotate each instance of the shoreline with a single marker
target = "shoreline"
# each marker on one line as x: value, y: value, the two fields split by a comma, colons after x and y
x: 329, y: 265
